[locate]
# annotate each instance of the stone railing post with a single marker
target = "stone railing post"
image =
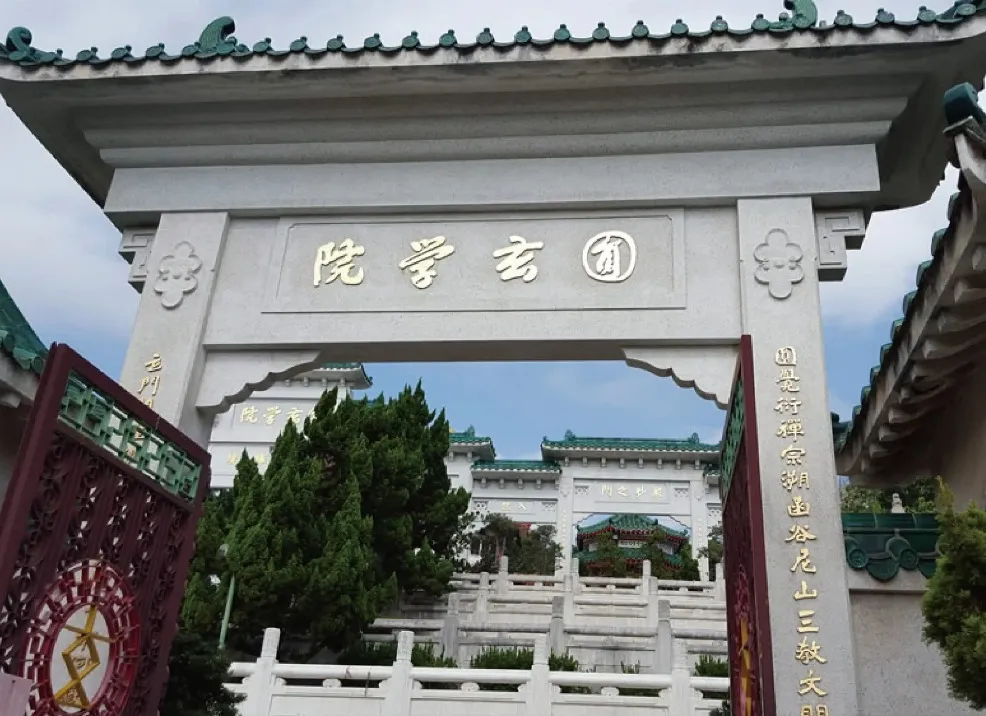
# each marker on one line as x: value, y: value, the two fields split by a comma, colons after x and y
x: 450, y: 628
x: 397, y: 689
x: 577, y: 582
x: 703, y: 568
x: 502, y: 582
x: 645, y: 573
x: 664, y: 639
x: 480, y: 608
x: 568, y: 594
x: 14, y: 694
x: 260, y: 684
x: 652, y: 601
x: 539, y: 687
x: 681, y: 681
x: 556, y: 627
x: 719, y: 586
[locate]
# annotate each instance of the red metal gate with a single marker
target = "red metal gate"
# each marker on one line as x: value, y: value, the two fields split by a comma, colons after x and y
x: 747, y: 612
x: 96, y: 533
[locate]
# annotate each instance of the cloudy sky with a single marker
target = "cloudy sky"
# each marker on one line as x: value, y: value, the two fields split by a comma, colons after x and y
x: 59, y: 254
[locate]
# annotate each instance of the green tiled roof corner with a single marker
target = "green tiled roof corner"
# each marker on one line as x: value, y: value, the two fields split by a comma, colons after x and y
x: 349, y: 366
x: 517, y: 465
x: 883, y: 544
x: 629, y: 523
x: 960, y: 103
x: 17, y: 339
x: 468, y: 438
x: 217, y: 40
x: 572, y: 441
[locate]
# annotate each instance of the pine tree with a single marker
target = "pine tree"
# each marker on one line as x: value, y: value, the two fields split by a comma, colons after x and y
x: 352, y: 509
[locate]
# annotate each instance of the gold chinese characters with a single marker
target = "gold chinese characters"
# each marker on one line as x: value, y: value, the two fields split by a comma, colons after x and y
x: 151, y: 381
x: 517, y: 259
x: 638, y: 492
x: 339, y: 260
x: 608, y: 257
x: 795, y: 481
x: 271, y: 415
x: 421, y: 264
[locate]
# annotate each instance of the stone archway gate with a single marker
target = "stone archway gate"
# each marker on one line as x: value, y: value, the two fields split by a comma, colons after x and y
x: 649, y: 198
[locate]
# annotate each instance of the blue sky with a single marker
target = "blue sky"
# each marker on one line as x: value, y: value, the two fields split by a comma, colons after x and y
x: 60, y: 261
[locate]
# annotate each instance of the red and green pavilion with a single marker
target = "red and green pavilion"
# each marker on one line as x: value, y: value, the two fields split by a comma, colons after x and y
x: 632, y: 533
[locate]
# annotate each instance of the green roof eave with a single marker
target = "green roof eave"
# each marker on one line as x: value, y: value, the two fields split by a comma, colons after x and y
x: 961, y: 106
x: 542, y: 466
x: 217, y: 42
x: 575, y: 443
x: 883, y: 544
x: 18, y: 340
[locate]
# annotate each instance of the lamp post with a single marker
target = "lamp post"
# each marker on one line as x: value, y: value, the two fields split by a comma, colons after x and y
x: 223, y: 549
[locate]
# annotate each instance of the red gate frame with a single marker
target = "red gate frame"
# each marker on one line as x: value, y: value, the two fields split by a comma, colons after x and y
x: 42, y: 429
x: 747, y: 462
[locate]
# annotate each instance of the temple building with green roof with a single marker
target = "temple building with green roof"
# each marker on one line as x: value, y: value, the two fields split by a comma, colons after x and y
x: 631, y: 533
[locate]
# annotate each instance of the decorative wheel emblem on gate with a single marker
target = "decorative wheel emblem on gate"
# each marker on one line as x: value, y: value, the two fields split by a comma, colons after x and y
x: 84, y: 645
x: 610, y: 257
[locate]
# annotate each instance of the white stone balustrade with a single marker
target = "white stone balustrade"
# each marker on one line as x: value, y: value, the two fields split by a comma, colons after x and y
x: 603, y: 622
x: 400, y: 689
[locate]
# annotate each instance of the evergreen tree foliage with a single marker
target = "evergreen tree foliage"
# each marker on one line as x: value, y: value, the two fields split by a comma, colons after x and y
x: 609, y: 558
x: 954, y: 604
x: 713, y: 550
x: 197, y: 671
x: 533, y: 552
x: 662, y: 567
x: 352, y: 509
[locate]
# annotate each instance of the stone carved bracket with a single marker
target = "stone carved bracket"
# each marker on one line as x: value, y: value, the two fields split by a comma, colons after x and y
x: 135, y: 248
x: 231, y: 378
x: 708, y: 371
x: 836, y: 233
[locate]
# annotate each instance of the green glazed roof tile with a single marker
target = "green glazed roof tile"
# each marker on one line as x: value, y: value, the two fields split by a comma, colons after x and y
x: 961, y: 103
x: 348, y: 366
x: 217, y: 40
x: 883, y: 544
x: 571, y: 441
x: 17, y: 339
x: 629, y: 523
x: 516, y: 466
x: 468, y: 437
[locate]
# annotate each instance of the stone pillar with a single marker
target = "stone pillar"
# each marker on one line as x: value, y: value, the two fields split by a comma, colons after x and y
x: 563, y: 519
x: 568, y: 595
x: 805, y: 557
x: 261, y: 682
x: 539, y: 689
x: 681, y: 681
x: 556, y: 627
x: 576, y: 582
x: 664, y: 639
x: 450, y: 628
x: 165, y: 359
x: 14, y: 694
x: 397, y: 689
x: 480, y: 610
x: 700, y: 515
x: 502, y: 581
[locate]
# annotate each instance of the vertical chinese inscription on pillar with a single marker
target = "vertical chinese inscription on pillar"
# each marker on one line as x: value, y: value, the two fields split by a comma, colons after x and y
x: 795, y: 480
x: 147, y: 391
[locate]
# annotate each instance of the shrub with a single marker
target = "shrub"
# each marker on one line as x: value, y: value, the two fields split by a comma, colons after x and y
x: 522, y: 660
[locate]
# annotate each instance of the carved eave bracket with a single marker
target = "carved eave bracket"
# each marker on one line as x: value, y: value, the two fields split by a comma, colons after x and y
x: 837, y: 232
x: 941, y: 341
x: 231, y: 378
x: 706, y: 370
